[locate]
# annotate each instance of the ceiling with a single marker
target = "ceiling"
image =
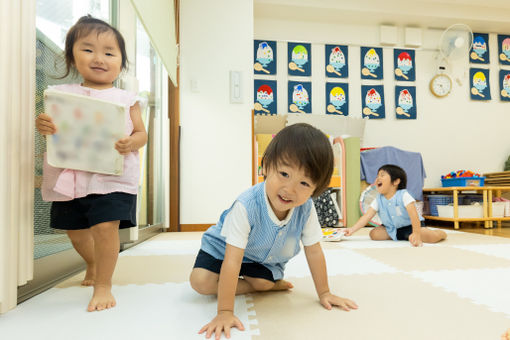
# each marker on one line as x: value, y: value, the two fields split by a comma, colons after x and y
x: 481, y: 16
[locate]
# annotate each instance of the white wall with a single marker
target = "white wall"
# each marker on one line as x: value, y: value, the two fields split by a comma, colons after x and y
x: 451, y: 133
x: 215, y: 37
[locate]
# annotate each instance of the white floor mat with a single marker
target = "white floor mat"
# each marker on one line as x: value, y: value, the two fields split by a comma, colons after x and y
x: 164, y: 247
x: 339, y: 262
x: 498, y: 250
x: 488, y: 287
x: 153, y: 312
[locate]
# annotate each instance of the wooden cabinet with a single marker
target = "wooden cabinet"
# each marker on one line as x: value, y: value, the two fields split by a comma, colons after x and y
x: 488, y: 192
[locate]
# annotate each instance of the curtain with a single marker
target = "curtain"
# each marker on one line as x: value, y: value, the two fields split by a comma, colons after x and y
x: 17, y: 108
x: 158, y: 19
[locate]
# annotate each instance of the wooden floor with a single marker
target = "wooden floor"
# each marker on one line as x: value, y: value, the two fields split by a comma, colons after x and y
x: 477, y: 228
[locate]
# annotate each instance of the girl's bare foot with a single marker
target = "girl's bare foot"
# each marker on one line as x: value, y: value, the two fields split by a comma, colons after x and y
x: 102, y: 298
x: 90, y: 275
x: 282, y: 285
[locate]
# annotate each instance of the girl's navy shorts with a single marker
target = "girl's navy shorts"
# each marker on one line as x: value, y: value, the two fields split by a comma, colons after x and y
x: 85, y: 212
x: 207, y: 261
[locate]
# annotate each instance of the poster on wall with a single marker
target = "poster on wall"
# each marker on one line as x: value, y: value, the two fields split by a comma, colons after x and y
x: 504, y: 49
x: 337, y: 57
x: 337, y: 99
x: 265, y: 98
x: 371, y: 63
x: 264, y: 57
x: 479, y: 53
x: 372, y: 101
x: 299, y: 97
x: 299, y: 59
x: 504, y: 82
x: 404, y: 65
x: 479, y: 81
x: 405, y: 102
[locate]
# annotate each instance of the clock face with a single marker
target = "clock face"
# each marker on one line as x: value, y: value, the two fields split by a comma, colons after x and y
x: 441, y: 85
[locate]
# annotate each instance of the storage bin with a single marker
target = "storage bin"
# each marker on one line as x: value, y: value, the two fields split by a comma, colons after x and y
x: 472, y: 198
x: 507, y: 208
x: 498, y: 209
x: 465, y: 211
x: 463, y: 182
x: 435, y: 200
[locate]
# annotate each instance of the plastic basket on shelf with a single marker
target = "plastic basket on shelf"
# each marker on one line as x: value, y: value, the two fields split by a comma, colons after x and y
x: 463, y: 182
x: 435, y: 200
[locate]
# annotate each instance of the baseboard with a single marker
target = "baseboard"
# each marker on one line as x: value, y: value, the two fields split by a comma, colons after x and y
x: 194, y: 227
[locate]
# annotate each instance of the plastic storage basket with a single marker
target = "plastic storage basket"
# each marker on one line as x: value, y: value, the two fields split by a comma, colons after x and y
x: 463, y: 182
x: 435, y: 200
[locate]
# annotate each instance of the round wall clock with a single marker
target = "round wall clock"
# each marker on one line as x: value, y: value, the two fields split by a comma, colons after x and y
x: 441, y: 85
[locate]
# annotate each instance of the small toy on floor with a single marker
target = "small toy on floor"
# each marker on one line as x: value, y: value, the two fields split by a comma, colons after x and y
x: 332, y: 234
x: 506, y: 335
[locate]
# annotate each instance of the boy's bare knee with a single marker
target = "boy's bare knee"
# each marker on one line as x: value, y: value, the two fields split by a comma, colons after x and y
x: 202, y: 284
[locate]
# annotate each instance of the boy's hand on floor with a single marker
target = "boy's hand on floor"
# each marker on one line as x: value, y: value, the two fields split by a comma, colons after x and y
x: 415, y: 240
x: 348, y: 231
x: 222, y: 323
x: 329, y: 300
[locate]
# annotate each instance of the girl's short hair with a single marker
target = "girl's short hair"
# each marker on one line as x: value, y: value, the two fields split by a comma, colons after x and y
x: 395, y: 173
x: 306, y: 147
x: 83, y: 27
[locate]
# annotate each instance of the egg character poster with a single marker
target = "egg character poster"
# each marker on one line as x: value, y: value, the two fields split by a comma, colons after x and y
x: 264, y: 57
x: 504, y: 49
x: 371, y: 63
x: 404, y: 65
x: 265, y: 98
x: 479, y: 81
x: 405, y: 102
x: 299, y: 97
x: 337, y: 99
x: 504, y: 83
x: 337, y: 57
x: 372, y: 101
x: 479, y: 53
x: 299, y: 61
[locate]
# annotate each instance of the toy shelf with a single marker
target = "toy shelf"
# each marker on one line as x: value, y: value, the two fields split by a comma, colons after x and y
x: 487, y: 193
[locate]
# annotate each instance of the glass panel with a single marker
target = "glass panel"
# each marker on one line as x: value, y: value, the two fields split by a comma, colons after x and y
x: 54, y: 18
x: 148, y: 73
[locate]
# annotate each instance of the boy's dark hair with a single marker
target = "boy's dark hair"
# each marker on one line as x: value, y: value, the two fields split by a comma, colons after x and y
x: 83, y: 27
x: 395, y: 173
x: 306, y: 147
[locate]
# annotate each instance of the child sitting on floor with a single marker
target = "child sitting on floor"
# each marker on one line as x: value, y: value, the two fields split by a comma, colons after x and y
x: 254, y: 239
x: 397, y: 210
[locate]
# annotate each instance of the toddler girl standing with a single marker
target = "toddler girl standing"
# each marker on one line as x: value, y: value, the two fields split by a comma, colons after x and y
x: 92, y: 207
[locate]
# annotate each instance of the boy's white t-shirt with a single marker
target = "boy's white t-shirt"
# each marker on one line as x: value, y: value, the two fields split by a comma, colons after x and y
x: 236, y: 227
x: 406, y: 199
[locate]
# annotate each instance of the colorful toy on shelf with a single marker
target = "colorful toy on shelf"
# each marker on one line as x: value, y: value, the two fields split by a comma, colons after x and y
x: 461, y: 173
x: 462, y: 178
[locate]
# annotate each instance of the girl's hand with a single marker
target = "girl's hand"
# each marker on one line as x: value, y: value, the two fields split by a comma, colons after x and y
x: 349, y: 231
x: 222, y: 323
x: 328, y: 300
x: 44, y: 124
x: 415, y: 240
x: 124, y: 145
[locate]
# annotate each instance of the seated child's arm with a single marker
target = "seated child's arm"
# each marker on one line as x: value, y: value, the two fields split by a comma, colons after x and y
x: 415, y: 222
x: 317, y: 265
x: 138, y: 137
x: 363, y: 221
x: 227, y: 285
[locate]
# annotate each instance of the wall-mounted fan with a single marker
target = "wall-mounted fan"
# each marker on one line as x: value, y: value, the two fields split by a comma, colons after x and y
x: 456, y: 41
x: 455, y: 44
